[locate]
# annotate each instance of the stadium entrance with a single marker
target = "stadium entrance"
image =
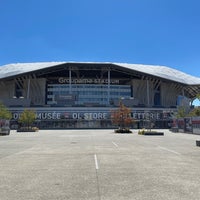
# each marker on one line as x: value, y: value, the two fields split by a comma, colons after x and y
x: 70, y: 118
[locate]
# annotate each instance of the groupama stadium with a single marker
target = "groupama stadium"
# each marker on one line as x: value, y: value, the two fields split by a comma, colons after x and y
x: 83, y: 94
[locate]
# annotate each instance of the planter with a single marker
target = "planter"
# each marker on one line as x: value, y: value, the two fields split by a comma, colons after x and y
x: 5, y: 131
x: 123, y: 131
x: 27, y: 129
x: 198, y: 143
x: 153, y: 133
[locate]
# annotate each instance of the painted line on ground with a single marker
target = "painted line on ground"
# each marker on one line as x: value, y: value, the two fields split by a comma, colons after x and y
x: 115, y: 144
x: 96, y: 161
x: 169, y: 150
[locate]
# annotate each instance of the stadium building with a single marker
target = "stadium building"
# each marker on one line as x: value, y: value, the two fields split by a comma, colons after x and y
x: 83, y: 94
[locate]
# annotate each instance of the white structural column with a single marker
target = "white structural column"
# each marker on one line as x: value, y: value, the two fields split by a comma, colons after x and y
x: 70, y: 80
x: 183, y: 92
x: 28, y: 89
x: 108, y: 85
x: 148, y: 92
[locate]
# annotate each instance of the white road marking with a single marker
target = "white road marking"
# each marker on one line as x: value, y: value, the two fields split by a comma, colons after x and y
x: 96, y: 161
x: 166, y: 149
x: 114, y: 144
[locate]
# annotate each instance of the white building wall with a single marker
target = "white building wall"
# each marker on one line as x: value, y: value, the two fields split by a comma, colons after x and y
x: 140, y: 92
x: 7, y: 89
x: 169, y: 94
x: 37, y: 91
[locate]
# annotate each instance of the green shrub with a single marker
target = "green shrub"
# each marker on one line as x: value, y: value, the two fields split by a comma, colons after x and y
x: 4, y: 112
x: 27, y: 129
x: 141, y: 132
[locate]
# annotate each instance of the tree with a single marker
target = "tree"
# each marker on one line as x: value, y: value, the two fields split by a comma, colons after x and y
x: 198, y: 96
x: 4, y: 112
x: 122, y: 117
x: 27, y: 117
x: 195, y: 112
x: 181, y: 112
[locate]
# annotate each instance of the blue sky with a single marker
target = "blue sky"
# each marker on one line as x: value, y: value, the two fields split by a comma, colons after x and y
x: 158, y: 32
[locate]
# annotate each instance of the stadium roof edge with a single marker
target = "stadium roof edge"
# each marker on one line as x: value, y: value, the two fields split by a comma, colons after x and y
x: 163, y: 72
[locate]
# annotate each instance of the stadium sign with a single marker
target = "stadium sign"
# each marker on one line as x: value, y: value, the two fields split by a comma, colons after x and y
x: 86, y: 81
x: 57, y: 115
x: 64, y: 115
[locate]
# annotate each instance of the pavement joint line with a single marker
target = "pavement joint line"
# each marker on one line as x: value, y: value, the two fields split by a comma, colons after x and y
x: 169, y: 150
x: 96, y: 162
x: 115, y: 144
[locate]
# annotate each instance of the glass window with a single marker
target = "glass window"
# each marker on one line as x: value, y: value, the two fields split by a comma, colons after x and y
x: 92, y: 93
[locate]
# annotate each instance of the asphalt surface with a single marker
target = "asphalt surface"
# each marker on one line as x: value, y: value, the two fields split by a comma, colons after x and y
x: 99, y: 165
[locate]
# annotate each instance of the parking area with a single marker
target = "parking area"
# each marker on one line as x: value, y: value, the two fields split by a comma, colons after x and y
x: 99, y: 165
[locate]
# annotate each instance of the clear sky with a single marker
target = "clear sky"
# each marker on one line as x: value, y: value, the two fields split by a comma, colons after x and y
x: 158, y: 32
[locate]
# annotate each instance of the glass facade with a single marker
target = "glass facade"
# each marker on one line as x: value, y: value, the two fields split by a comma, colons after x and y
x: 83, y: 94
x: 70, y: 118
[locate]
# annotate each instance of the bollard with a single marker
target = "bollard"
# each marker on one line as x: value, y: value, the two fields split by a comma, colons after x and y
x: 198, y: 143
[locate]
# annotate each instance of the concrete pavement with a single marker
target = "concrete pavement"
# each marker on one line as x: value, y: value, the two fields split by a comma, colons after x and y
x: 98, y: 165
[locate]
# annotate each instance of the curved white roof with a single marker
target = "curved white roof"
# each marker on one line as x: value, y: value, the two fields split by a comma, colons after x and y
x: 20, y: 68
x: 163, y: 72
x: 158, y: 71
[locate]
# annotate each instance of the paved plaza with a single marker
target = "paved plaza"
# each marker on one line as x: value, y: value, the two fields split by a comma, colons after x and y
x: 99, y: 165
